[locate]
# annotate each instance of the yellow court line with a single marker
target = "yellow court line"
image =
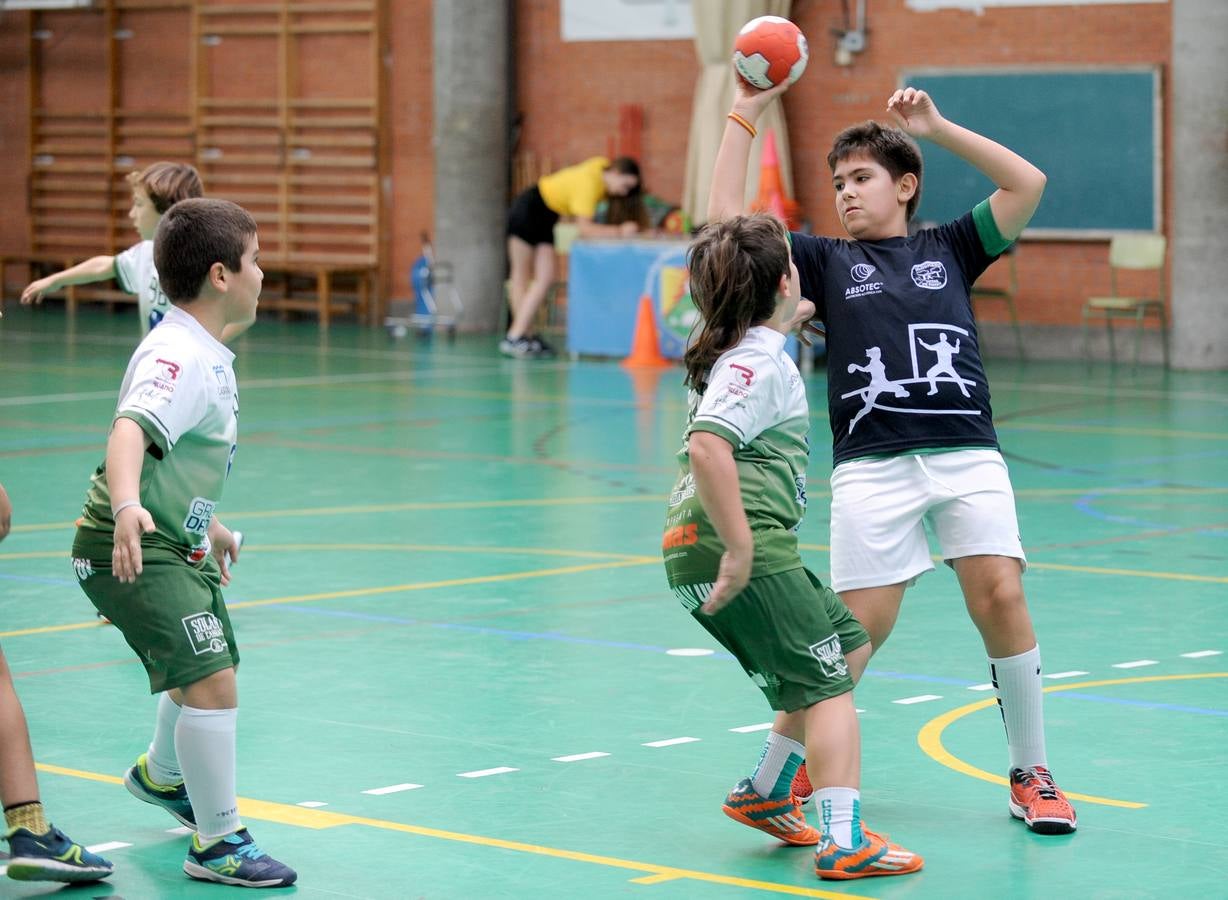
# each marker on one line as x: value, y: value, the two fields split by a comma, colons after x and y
x: 301, y: 817
x: 394, y: 507
x: 388, y: 589
x: 1115, y: 430
x: 451, y: 582
x: 581, y: 501
x: 1132, y: 573
x: 929, y: 738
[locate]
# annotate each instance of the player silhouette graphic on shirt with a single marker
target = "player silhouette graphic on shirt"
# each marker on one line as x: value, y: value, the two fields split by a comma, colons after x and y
x: 879, y: 382
x: 945, y: 351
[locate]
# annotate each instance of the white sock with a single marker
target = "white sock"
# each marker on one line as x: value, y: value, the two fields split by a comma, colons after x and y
x: 205, y: 741
x: 840, y: 814
x: 160, y: 761
x: 1017, y: 682
x: 778, y: 763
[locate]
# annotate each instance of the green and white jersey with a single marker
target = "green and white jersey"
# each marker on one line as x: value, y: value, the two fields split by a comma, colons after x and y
x: 756, y: 401
x: 136, y: 274
x: 180, y: 388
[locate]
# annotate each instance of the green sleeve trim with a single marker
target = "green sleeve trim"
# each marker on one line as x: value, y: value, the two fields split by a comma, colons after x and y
x: 150, y: 425
x: 719, y: 430
x: 987, y: 229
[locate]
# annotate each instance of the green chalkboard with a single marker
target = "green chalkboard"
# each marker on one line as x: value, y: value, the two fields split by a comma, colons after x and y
x: 1093, y: 132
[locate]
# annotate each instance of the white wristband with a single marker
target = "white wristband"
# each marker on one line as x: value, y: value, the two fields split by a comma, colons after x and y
x: 115, y: 511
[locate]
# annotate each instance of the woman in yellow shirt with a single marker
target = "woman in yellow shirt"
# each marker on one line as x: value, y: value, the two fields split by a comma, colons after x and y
x: 573, y: 193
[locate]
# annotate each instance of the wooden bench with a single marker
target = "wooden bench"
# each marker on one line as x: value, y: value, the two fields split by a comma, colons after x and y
x: 324, y: 272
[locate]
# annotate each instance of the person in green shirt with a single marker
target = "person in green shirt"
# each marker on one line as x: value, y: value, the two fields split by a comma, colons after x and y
x: 150, y: 553
x: 730, y: 548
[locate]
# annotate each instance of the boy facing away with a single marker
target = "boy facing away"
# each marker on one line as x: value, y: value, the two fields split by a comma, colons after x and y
x: 151, y: 555
x: 154, y: 190
x: 730, y: 548
x: 913, y: 433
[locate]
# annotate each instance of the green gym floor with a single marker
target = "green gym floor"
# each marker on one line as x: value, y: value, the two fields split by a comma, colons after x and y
x: 463, y: 676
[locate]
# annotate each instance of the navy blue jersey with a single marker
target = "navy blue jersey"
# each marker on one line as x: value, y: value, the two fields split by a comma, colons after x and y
x: 903, y: 365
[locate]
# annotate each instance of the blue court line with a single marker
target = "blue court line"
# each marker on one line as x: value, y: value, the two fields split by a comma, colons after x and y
x: 1144, y: 704
x: 37, y: 580
x: 626, y: 645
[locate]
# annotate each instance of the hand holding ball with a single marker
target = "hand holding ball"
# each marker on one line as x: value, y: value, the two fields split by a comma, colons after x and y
x: 770, y: 50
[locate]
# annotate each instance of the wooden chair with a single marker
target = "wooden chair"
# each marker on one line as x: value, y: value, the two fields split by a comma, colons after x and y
x: 1004, y: 291
x: 1137, y: 252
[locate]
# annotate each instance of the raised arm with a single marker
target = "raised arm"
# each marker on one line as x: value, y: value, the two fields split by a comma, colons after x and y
x: 96, y: 268
x: 1020, y: 184
x: 727, y: 195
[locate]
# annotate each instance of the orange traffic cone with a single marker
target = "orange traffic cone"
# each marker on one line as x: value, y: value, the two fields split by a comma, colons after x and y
x: 645, y: 346
x: 772, y: 197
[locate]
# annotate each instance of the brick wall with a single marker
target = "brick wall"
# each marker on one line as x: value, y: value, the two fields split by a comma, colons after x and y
x: 558, y: 84
x: 570, y: 93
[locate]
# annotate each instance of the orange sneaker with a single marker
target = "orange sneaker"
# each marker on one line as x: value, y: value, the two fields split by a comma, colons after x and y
x: 875, y: 856
x: 803, y: 790
x: 1040, y: 803
x: 783, y: 819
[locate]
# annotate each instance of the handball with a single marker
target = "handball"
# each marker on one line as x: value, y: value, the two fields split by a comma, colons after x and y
x: 770, y: 50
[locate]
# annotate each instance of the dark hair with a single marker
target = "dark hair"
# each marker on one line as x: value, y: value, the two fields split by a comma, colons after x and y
x: 630, y: 208
x: 167, y: 183
x: 625, y: 165
x: 192, y: 236
x: 891, y: 148
x: 735, y: 267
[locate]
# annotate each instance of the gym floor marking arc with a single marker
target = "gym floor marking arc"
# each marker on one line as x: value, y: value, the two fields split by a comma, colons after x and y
x: 929, y: 738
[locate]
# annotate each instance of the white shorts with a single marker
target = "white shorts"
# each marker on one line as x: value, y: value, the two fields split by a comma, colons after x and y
x: 878, y: 507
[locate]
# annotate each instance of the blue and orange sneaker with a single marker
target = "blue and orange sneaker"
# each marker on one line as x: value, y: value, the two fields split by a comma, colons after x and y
x: 783, y: 819
x: 1037, y: 800
x: 173, y: 798
x: 875, y: 856
x: 235, y: 859
x: 52, y: 857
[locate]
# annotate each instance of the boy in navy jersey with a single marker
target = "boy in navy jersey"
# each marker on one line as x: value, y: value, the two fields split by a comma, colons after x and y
x: 913, y: 432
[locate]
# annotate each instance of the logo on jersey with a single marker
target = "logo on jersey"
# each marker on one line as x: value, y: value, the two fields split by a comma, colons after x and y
x: 83, y: 567
x: 170, y: 370
x: 747, y: 375
x: 200, y: 514
x: 931, y: 275
x: 205, y: 633
x: 830, y: 656
x: 223, y: 383
x: 861, y: 272
x: 680, y: 536
x: 684, y: 491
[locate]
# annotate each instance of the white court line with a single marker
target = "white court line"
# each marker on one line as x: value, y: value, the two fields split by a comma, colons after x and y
x: 576, y: 757
x: 670, y: 742
x: 393, y: 789
x: 482, y: 773
x: 1073, y: 673
x: 988, y: 686
x: 404, y: 376
x: 747, y: 729
x: 923, y: 698
x: 311, y: 804
x: 690, y: 651
x: 110, y: 845
x: 1199, y: 654
x: 1136, y: 664
x: 181, y: 829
